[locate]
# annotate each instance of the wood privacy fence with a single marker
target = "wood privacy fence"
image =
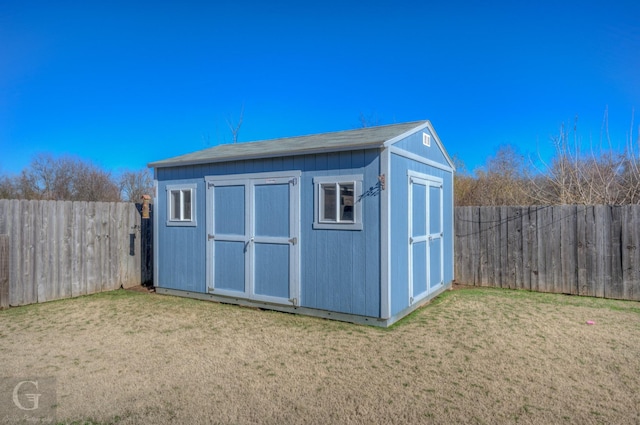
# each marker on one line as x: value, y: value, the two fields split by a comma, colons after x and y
x: 59, y: 249
x: 581, y: 250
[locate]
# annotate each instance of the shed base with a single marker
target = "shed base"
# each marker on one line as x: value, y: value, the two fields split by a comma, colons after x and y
x: 343, y: 317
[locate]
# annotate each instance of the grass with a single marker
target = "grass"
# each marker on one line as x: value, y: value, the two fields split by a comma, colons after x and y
x: 471, y: 356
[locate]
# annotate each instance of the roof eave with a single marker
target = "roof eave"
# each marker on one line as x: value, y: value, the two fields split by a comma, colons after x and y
x: 214, y: 160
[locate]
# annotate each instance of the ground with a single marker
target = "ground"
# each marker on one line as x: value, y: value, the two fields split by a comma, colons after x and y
x: 472, y: 356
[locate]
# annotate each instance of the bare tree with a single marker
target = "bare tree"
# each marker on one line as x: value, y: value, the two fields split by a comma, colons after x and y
x: 8, y: 188
x: 134, y: 184
x: 370, y: 120
x: 235, y: 127
x: 94, y: 184
x: 601, y: 176
x: 63, y: 178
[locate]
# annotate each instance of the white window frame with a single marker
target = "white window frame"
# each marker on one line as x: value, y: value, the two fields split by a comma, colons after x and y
x: 181, y: 188
x: 318, y: 221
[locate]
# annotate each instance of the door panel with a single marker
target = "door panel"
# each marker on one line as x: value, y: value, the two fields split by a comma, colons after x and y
x: 271, y: 272
x: 435, y: 210
x: 419, y: 271
x: 436, y: 248
x: 272, y: 210
x: 419, y: 210
x: 435, y: 263
x: 232, y: 222
x: 229, y: 265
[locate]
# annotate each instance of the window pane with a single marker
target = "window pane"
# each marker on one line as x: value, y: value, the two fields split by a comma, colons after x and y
x: 329, y: 202
x: 186, y: 199
x: 346, y: 202
x: 175, y: 205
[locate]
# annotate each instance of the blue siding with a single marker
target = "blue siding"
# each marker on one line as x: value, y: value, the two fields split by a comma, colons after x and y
x: 185, y: 271
x: 399, y: 224
x: 413, y: 144
x: 339, y: 269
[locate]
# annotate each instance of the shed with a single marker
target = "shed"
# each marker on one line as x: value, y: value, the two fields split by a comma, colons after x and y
x: 353, y: 225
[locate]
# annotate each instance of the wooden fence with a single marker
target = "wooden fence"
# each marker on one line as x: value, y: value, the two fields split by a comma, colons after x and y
x: 581, y: 250
x: 59, y: 249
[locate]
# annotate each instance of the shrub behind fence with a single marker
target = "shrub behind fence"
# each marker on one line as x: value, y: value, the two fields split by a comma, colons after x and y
x: 62, y: 249
x: 581, y: 250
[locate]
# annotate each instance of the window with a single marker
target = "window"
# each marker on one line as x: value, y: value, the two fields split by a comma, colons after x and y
x: 181, y: 205
x: 337, y: 203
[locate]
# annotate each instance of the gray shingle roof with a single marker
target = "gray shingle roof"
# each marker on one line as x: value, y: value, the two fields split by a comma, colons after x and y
x: 363, y: 138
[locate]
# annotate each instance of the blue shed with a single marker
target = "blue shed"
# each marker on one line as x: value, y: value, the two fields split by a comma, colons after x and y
x: 354, y: 225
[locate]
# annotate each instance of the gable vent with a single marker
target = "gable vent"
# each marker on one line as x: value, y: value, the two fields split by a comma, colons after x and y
x: 426, y: 139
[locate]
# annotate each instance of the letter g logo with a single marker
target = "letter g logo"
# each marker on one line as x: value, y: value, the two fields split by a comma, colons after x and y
x: 33, y: 398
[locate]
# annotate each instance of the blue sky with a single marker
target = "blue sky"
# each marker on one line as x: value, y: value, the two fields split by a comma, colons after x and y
x: 126, y: 83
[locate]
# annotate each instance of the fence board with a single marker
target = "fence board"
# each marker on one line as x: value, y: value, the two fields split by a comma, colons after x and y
x: 30, y: 290
x: 65, y: 224
x: 568, y: 252
x: 15, y: 234
x: 4, y: 269
x: 592, y: 252
x: 614, y: 288
x: 632, y: 281
x: 533, y: 247
x: 632, y: 286
x: 545, y: 249
x: 602, y: 219
x: 581, y: 249
x: 78, y: 232
x: 486, y: 247
x: 514, y: 249
x: 475, y: 245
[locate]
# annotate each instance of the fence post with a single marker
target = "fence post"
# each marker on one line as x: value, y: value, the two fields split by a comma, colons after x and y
x: 4, y: 271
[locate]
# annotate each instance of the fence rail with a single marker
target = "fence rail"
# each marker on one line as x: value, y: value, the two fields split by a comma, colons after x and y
x: 62, y: 249
x: 581, y: 250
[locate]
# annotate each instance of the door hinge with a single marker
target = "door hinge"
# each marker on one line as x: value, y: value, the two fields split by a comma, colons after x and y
x: 293, y: 181
x: 210, y: 289
x: 209, y: 237
x: 410, y: 300
x: 293, y: 301
x: 293, y: 241
x: 210, y: 185
x: 410, y: 240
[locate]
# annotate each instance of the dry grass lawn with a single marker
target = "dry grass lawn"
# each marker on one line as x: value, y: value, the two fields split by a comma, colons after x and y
x: 481, y: 356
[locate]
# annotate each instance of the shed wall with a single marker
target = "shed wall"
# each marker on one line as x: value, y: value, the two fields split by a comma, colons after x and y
x: 339, y: 270
x: 399, y: 258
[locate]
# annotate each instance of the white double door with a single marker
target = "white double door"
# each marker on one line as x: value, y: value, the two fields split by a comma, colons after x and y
x: 252, y: 236
x: 426, y: 261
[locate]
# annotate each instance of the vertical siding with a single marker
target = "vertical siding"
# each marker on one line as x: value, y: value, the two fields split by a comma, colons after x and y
x: 340, y: 270
x: 399, y: 225
x: 413, y: 144
x: 181, y: 250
